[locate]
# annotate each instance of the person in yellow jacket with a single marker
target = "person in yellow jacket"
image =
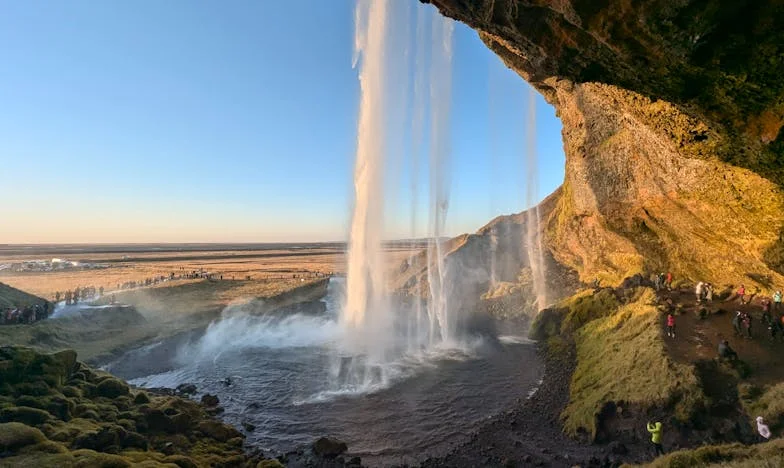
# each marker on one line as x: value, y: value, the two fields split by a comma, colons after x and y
x: 656, y: 433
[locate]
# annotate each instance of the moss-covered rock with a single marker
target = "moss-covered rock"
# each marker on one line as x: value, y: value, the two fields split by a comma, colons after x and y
x: 141, y: 398
x: 270, y: 464
x: 112, y: 388
x: 90, y: 418
x: 15, y: 435
x: 25, y: 415
x: 219, y: 431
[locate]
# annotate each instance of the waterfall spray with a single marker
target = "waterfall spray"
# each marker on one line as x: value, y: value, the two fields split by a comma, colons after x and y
x: 534, y: 245
x: 375, y: 333
x: 365, y: 272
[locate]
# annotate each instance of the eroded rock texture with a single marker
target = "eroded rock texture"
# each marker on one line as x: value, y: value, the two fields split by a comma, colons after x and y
x: 672, y: 112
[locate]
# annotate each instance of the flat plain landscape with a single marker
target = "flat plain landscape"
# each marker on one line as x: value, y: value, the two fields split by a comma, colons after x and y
x: 195, y: 283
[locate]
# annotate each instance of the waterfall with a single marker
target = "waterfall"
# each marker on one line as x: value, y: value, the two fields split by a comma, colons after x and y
x: 364, y: 308
x: 440, y: 107
x: 533, y: 241
x: 374, y: 331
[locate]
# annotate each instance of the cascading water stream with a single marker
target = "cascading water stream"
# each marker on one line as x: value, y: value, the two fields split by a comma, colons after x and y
x: 533, y: 241
x: 440, y: 107
x: 368, y: 319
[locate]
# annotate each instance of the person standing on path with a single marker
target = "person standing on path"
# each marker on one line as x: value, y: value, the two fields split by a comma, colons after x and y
x: 742, y: 294
x: 668, y: 281
x: 670, y: 325
x: 656, y: 433
x: 777, y: 301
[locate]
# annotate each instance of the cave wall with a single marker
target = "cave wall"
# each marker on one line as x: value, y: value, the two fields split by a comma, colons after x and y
x: 671, y: 116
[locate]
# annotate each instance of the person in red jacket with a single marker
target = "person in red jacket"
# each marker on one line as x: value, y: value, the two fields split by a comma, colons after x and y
x: 668, y: 281
x: 670, y: 325
x: 742, y: 294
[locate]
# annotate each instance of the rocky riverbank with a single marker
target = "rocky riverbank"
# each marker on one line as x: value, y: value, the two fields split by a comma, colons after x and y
x: 56, y: 411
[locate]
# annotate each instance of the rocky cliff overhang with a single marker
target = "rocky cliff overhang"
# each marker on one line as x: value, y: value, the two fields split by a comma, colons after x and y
x: 719, y: 61
x: 672, y: 113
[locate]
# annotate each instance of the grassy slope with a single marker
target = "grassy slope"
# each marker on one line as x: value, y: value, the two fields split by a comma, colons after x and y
x: 768, y: 403
x: 767, y: 455
x: 10, y: 297
x: 620, y: 357
x: 92, y: 336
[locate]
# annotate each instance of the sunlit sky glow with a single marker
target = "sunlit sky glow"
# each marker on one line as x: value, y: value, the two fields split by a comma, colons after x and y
x: 184, y: 121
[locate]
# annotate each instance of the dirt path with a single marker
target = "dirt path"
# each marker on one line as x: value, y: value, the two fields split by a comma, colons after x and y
x: 698, y: 339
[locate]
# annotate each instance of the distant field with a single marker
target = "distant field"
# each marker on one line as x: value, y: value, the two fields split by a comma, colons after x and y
x: 133, y: 263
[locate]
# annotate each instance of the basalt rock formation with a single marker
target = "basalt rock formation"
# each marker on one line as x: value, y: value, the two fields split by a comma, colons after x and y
x: 671, y: 114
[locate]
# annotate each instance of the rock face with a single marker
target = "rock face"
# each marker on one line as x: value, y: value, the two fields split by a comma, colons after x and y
x: 671, y: 118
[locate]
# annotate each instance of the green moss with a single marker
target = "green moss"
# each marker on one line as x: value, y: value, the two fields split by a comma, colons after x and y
x: 621, y: 358
x: 270, y: 464
x: 585, y: 308
x: 24, y: 414
x: 111, y: 388
x: 46, y: 446
x: 141, y: 398
x: 766, y: 402
x: 725, y: 456
x: 14, y: 436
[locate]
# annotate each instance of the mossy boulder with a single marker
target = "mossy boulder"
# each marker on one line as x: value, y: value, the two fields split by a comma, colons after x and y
x: 112, y: 388
x: 46, y: 446
x: 19, y: 364
x: 218, y: 431
x: 141, y: 398
x: 181, y: 461
x: 15, y: 435
x: 25, y: 415
x: 270, y: 464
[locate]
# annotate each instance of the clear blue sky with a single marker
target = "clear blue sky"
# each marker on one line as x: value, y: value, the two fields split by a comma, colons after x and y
x: 184, y: 121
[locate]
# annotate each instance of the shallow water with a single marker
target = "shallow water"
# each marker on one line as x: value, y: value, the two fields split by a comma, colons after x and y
x: 282, y: 368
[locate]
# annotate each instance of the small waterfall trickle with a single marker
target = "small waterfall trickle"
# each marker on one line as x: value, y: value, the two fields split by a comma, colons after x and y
x: 440, y: 107
x: 533, y: 241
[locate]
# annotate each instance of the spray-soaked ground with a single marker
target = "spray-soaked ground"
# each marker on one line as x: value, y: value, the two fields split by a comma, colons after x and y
x: 283, y: 384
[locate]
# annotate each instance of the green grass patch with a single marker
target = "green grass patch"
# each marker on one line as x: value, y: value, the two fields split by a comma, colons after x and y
x: 622, y: 358
x: 767, y: 455
x: 766, y: 402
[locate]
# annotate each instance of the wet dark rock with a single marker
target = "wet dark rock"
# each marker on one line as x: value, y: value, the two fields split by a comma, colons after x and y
x: 186, y: 389
x: 210, y: 400
x: 617, y: 448
x: 329, y: 448
x: 248, y: 426
x: 168, y: 448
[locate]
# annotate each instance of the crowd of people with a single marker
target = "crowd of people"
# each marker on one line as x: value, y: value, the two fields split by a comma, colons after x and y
x: 25, y: 314
x: 80, y: 294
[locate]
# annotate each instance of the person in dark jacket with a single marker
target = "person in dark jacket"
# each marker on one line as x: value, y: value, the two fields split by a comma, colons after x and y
x: 725, y: 352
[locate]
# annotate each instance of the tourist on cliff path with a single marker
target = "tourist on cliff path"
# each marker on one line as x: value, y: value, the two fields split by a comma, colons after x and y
x: 742, y: 294
x: 670, y: 325
x: 725, y: 352
x: 656, y: 433
x: 747, y: 324
x: 777, y: 301
x: 736, y: 322
x: 668, y: 281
